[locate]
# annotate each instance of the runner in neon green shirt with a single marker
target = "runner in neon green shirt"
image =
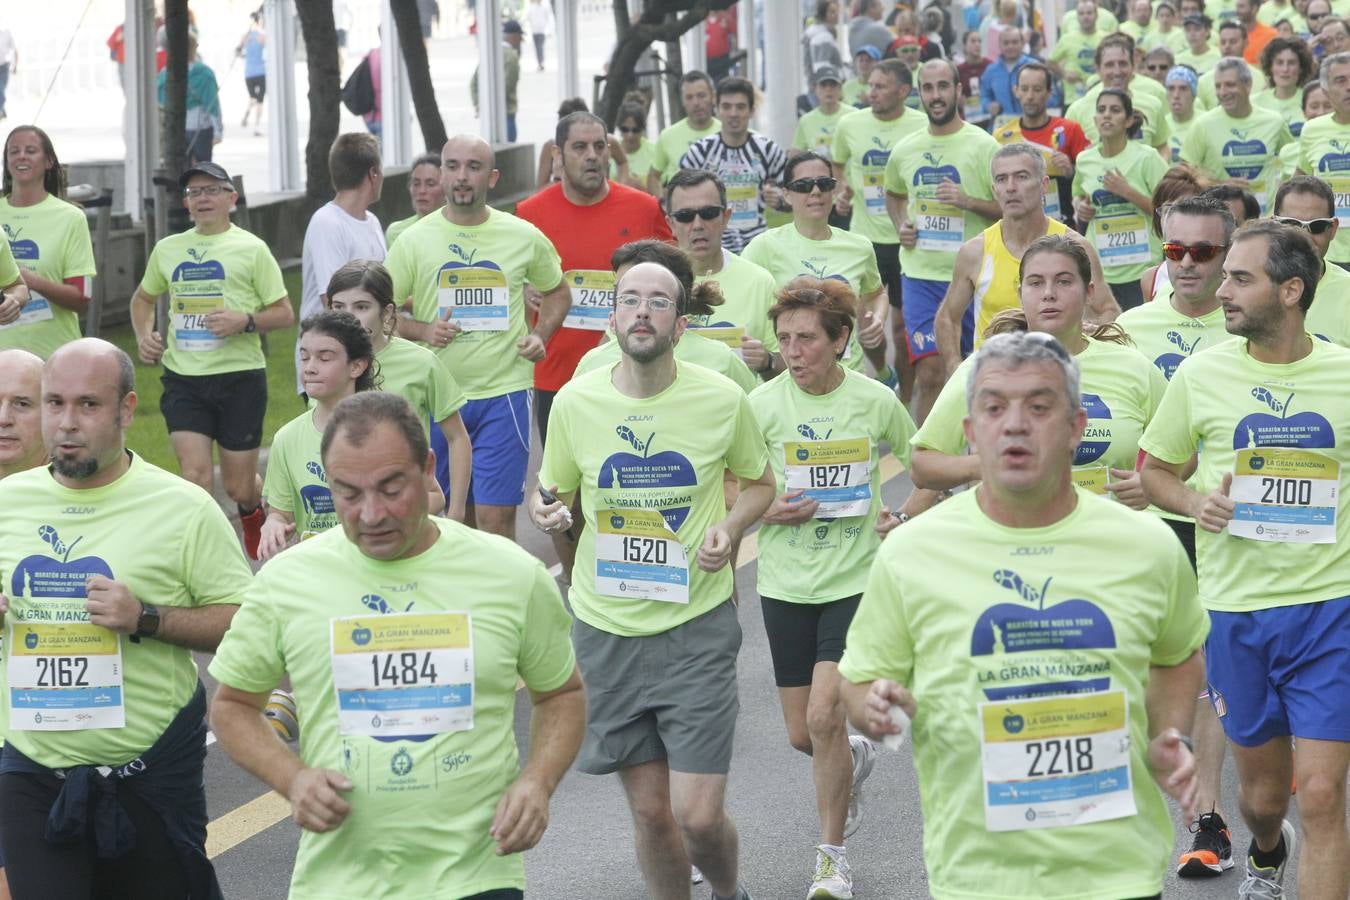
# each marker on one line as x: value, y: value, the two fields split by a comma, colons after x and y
x: 73, y: 549
x: 696, y: 98
x: 1264, y: 414
x: 862, y: 147
x: 810, y: 245
x: 646, y: 443
x: 50, y: 239
x: 1208, y: 97
x: 436, y: 771
x: 1324, y: 151
x: 1238, y: 142
x: 688, y: 447
x: 1288, y: 66
x: 815, y: 130
x: 1121, y: 389
x: 1112, y: 190
x: 465, y: 269
x: 1024, y: 613
x: 1308, y: 203
x: 225, y: 289
x: 1115, y: 61
x: 336, y: 361
x: 697, y: 211
x: 1073, y: 56
x: 364, y: 289
x: 424, y: 189
x: 641, y: 153
x: 1181, y: 113
x: 1198, y: 54
x: 484, y: 343
x: 824, y: 426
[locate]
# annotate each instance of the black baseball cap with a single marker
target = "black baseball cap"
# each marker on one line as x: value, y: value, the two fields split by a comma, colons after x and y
x: 209, y: 169
x: 511, y: 26
x: 1198, y: 19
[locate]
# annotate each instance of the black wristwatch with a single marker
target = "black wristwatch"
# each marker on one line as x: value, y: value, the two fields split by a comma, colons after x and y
x: 148, y: 624
x: 250, y: 326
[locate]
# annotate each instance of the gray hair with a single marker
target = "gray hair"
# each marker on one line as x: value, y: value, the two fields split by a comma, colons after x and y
x: 1020, y: 148
x: 1244, y: 71
x: 126, y: 374
x: 1335, y: 59
x: 1018, y: 348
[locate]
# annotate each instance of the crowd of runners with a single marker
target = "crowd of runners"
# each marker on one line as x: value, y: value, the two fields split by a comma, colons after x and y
x: 1114, y: 364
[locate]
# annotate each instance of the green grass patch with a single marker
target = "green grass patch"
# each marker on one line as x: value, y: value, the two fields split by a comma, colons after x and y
x: 150, y: 438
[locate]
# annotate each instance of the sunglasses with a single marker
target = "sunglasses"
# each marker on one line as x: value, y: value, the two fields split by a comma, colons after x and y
x: 706, y: 213
x: 804, y: 185
x: 1201, y: 253
x: 634, y: 130
x: 1312, y: 226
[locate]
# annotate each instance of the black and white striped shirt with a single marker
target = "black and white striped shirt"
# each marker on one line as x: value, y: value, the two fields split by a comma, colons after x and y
x: 744, y: 170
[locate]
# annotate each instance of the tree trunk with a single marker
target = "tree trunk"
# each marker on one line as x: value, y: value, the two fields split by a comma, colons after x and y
x: 653, y: 26
x: 674, y: 63
x: 174, y: 112
x: 408, y: 24
x: 325, y: 92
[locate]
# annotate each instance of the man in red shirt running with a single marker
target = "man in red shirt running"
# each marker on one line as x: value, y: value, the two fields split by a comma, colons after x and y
x: 1062, y: 138
x: 587, y: 217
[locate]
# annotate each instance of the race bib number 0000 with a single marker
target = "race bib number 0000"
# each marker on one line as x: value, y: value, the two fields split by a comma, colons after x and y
x: 477, y: 298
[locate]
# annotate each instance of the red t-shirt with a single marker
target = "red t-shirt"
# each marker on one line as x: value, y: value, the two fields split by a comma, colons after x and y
x: 585, y: 237
x: 1074, y: 141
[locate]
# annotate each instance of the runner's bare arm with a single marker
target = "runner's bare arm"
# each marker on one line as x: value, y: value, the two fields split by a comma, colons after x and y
x: 868, y: 704
x: 897, y: 207
x: 238, y: 723
x: 69, y: 294
x: 938, y: 471
x: 557, y: 724
x: 1165, y: 485
x: 461, y: 465
x: 112, y: 605
x: 960, y: 295
x: 1171, y: 714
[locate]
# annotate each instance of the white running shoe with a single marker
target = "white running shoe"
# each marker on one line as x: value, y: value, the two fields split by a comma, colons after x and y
x: 1268, y: 884
x: 695, y: 876
x: 832, y: 880
x: 864, y: 757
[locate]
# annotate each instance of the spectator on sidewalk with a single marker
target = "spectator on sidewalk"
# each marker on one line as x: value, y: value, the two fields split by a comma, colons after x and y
x: 252, y: 48
x: 512, y: 37
x: 9, y: 63
x: 205, y: 128
x: 539, y: 15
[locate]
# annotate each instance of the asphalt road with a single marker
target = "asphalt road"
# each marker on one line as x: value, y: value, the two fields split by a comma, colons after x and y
x: 588, y: 849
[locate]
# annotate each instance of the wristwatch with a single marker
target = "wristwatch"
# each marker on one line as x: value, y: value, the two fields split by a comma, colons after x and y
x: 148, y: 624
x: 1186, y: 740
x: 250, y: 326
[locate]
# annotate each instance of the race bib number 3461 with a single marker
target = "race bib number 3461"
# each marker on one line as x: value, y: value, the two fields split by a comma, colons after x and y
x: 403, y: 675
x: 1062, y: 760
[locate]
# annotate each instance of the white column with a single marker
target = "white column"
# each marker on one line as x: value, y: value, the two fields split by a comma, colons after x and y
x: 694, y: 48
x: 745, y: 26
x: 395, y: 100
x: 141, y: 116
x: 565, y: 33
x: 283, y: 137
x: 491, y: 82
x: 782, y: 72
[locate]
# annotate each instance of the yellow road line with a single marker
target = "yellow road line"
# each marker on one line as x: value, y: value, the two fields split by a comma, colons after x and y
x: 261, y: 813
x: 243, y: 822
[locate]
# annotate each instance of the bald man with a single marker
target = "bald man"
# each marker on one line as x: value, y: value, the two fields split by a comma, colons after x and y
x: 20, y: 412
x: 106, y: 691
x: 465, y: 269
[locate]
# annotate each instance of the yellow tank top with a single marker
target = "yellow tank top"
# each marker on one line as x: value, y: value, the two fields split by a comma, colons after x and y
x: 996, y: 288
